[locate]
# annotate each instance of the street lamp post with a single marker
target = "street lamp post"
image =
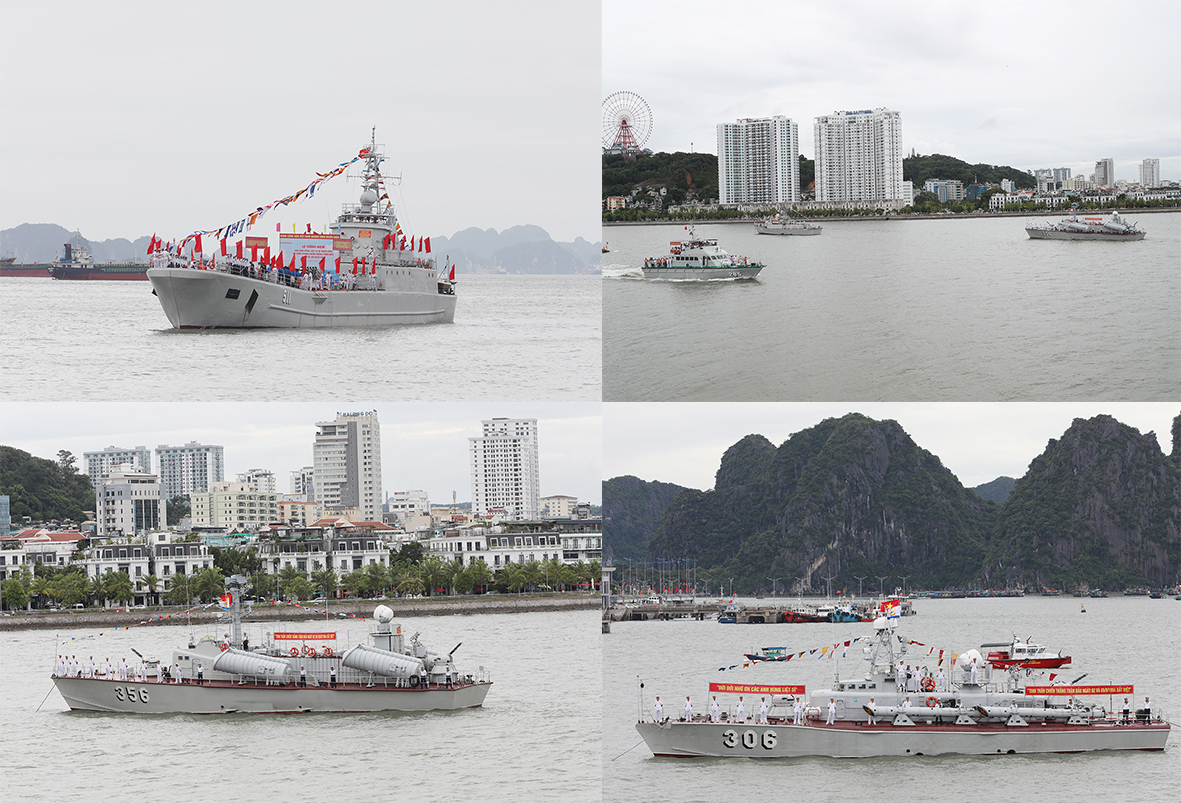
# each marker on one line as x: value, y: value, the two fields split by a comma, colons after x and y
x: 859, y: 579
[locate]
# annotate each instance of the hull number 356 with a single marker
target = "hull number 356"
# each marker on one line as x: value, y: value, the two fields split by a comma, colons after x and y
x: 749, y: 739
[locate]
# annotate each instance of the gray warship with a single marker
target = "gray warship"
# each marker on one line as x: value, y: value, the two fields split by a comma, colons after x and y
x: 1112, y: 228
x: 699, y: 258
x: 404, y: 288
x: 974, y: 714
x: 228, y: 677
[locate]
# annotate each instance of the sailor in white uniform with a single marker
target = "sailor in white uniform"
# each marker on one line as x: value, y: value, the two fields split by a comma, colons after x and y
x: 797, y: 709
x: 740, y: 712
x: 713, y: 710
x: 688, y: 709
x: 763, y: 711
x: 974, y: 671
x: 832, y: 711
x: 940, y: 681
x: 658, y: 710
x: 123, y: 670
x: 873, y: 709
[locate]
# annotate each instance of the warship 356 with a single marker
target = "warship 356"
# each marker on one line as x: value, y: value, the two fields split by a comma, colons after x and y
x: 229, y: 676
x: 975, y: 711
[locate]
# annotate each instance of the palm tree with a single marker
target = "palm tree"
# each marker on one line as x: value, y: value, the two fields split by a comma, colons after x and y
x: 286, y: 577
x: 376, y: 579
x: 481, y: 574
x: 117, y: 586
x: 152, y: 582
x: 94, y: 590
x: 39, y: 588
x: 209, y: 583
x: 326, y: 580
x: 409, y: 582
x: 433, y: 569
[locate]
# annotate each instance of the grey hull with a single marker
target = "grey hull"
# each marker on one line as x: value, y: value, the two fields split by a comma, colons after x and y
x: 204, y: 299
x: 798, y: 232
x: 731, y: 272
x: 96, y: 694
x: 1047, y: 234
x: 846, y: 740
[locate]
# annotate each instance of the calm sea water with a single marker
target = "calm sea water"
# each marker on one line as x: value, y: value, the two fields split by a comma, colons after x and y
x: 536, y: 338
x: 537, y: 736
x: 900, y: 310
x: 1123, y: 640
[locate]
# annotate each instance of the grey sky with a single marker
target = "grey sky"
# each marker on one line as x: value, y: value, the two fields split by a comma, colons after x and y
x: 423, y: 446
x: 126, y: 118
x: 1053, y: 83
x: 978, y: 442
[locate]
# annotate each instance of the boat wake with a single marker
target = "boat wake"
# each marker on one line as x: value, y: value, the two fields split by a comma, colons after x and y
x: 622, y: 272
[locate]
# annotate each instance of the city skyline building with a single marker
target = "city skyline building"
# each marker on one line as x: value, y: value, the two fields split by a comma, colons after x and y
x: 301, y: 483
x: 505, y: 472
x: 192, y: 467
x: 262, y: 479
x: 100, y: 463
x: 1150, y: 173
x: 128, y: 501
x: 346, y: 464
x: 759, y: 161
x: 1105, y: 172
x: 859, y: 155
x: 234, y: 505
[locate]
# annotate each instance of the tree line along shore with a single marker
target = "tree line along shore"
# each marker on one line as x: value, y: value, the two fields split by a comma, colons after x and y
x: 425, y: 606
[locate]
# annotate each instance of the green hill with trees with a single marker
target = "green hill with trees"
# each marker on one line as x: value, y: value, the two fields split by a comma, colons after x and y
x: 42, y: 489
x: 919, y: 169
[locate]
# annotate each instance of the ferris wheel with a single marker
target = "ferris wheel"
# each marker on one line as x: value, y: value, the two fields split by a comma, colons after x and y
x: 627, y: 121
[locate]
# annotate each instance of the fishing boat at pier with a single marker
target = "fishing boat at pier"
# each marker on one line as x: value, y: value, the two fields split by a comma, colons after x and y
x: 699, y: 258
x: 381, y: 283
x: 976, y: 710
x: 289, y: 673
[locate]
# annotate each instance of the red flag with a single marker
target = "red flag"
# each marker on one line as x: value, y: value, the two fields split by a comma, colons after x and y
x: 354, y: 266
x: 253, y: 253
x: 292, y: 265
x: 411, y: 242
x: 428, y: 245
x: 223, y: 248
x: 452, y: 278
x: 419, y: 245
x: 278, y: 263
x: 337, y: 263
x: 152, y: 244
x: 322, y: 264
x: 303, y: 263
x: 266, y: 254
x: 375, y: 266
x: 402, y: 247
x: 240, y: 249
x: 309, y: 231
x: 197, y: 248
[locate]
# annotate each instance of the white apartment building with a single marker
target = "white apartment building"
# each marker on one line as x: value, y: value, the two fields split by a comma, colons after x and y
x: 947, y: 190
x: 188, y: 468
x: 505, y: 475
x: 128, y: 501
x: 297, y: 513
x: 100, y: 463
x: 859, y: 156
x: 301, y: 484
x: 559, y: 507
x: 759, y: 161
x: 406, y: 506
x: 346, y: 464
x: 260, y: 478
x: 236, y: 505
x: 1150, y: 173
x: 1105, y: 172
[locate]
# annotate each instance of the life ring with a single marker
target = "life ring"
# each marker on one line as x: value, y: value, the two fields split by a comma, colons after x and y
x: 224, y: 646
x: 295, y: 652
x: 928, y: 684
x: 327, y: 652
x: 932, y: 702
x: 414, y: 681
x: 311, y: 652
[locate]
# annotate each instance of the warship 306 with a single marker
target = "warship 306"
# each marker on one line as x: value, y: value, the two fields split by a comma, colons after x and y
x: 229, y: 676
x: 975, y: 711
x: 394, y: 286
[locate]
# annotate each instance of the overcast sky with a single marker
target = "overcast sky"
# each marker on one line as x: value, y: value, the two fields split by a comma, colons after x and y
x: 684, y: 443
x: 123, y: 119
x: 1052, y: 83
x: 423, y: 446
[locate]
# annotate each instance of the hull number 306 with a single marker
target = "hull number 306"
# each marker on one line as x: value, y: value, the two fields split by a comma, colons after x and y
x: 749, y: 739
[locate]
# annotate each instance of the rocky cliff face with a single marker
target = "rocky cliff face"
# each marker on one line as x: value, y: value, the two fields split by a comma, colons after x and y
x: 632, y: 512
x: 1101, y: 505
x: 849, y: 497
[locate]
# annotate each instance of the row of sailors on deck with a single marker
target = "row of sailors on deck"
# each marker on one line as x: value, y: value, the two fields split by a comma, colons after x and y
x: 921, y: 679
x: 304, y: 280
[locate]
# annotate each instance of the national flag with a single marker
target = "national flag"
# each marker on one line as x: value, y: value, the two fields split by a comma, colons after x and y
x: 428, y: 245
x: 322, y: 264
x: 239, y: 246
x: 266, y: 254
x: 152, y: 244
x: 452, y: 277
x: 197, y: 247
x: 292, y: 265
x: 303, y: 263
x: 223, y: 248
x: 226, y: 601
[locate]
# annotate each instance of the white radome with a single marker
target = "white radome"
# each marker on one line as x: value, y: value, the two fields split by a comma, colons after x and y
x: 383, y: 614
